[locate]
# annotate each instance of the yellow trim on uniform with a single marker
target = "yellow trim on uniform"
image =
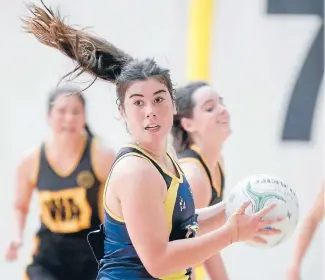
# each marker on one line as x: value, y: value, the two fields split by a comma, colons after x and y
x: 95, y: 166
x: 94, y: 163
x: 176, y: 276
x: 221, y: 167
x: 100, y: 205
x: 109, y: 212
x: 179, y: 178
x: 199, y: 270
x: 199, y: 39
x: 115, y: 217
x: 67, y: 173
x: 200, y: 273
x: 26, y: 277
x: 169, y: 203
x: 194, y: 160
x: 217, y: 187
x: 37, y: 163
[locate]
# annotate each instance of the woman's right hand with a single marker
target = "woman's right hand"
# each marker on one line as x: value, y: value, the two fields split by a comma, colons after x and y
x: 250, y: 228
x: 12, y: 251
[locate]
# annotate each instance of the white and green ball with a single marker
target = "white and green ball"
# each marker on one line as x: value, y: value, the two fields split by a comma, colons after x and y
x: 262, y: 190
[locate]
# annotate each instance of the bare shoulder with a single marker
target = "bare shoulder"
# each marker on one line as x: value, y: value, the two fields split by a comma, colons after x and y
x: 136, y: 175
x: 198, y: 181
x: 28, y: 166
x: 102, y: 150
x: 103, y: 157
x: 193, y: 171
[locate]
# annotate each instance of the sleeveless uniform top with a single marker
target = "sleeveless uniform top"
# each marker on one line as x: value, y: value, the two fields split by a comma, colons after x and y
x: 69, y: 203
x: 193, y: 154
x: 112, y: 246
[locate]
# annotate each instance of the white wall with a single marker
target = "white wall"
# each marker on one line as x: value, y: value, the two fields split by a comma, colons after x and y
x: 256, y: 61
x: 254, y: 64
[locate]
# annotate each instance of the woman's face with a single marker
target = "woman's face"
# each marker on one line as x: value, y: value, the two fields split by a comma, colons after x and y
x: 210, y: 118
x: 67, y: 116
x: 148, y: 110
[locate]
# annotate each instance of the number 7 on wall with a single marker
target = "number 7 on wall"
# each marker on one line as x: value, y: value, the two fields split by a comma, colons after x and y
x: 300, y: 113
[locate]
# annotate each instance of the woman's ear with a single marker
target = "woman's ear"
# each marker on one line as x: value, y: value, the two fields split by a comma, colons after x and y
x: 175, y: 110
x: 187, y: 125
x: 121, y: 111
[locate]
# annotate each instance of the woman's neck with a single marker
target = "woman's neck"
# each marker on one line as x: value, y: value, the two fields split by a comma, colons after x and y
x: 68, y: 147
x: 211, y: 153
x: 158, y: 152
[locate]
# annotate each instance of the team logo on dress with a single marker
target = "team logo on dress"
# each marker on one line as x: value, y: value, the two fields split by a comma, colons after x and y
x: 182, y: 204
x: 85, y: 179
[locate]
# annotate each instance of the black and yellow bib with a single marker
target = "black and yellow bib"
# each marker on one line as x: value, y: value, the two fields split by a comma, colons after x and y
x: 69, y: 203
x: 120, y: 259
x: 193, y: 154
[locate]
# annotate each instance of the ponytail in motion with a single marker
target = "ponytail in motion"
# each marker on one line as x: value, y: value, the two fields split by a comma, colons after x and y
x: 93, y: 55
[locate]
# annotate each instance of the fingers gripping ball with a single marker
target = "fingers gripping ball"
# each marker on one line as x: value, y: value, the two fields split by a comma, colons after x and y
x: 261, y: 190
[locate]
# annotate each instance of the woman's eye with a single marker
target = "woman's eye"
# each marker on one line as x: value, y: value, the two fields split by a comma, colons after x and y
x: 138, y: 103
x: 159, y: 100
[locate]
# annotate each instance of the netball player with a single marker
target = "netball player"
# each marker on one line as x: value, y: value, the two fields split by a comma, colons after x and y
x: 200, y: 128
x: 150, y: 217
x: 307, y: 230
x: 67, y: 170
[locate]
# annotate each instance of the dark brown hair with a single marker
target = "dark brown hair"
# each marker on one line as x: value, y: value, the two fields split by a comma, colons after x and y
x: 184, y: 104
x: 94, y: 55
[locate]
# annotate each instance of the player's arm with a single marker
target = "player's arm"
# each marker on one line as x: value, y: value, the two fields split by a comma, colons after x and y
x: 215, y: 268
x: 142, y: 202
x: 201, y: 189
x: 26, y: 174
x: 199, y: 183
x: 211, y: 217
x: 102, y: 159
x: 307, y: 229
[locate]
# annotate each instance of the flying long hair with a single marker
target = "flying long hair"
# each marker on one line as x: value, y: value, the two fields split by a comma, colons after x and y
x: 94, y: 55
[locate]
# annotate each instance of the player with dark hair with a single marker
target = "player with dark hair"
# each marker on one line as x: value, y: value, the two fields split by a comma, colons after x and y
x: 200, y: 128
x: 150, y: 217
x: 68, y: 170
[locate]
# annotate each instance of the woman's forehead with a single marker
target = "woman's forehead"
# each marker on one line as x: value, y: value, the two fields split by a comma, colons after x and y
x: 205, y: 93
x: 146, y: 88
x: 67, y: 99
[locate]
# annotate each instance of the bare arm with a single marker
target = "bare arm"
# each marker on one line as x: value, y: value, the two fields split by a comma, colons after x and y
x: 210, y: 218
x: 199, y: 183
x: 216, y: 268
x: 308, y: 228
x: 102, y: 159
x: 139, y: 197
x: 26, y: 174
